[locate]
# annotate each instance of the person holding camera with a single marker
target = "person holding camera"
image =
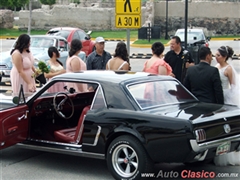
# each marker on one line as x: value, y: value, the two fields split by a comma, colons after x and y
x: 178, y: 58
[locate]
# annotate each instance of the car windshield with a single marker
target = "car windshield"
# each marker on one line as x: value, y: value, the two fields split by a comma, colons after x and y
x: 63, y: 33
x: 191, y: 36
x: 41, y: 42
x: 158, y: 93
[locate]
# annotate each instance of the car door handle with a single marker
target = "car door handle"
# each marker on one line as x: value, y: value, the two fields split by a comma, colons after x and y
x: 24, y: 116
x: 12, y: 129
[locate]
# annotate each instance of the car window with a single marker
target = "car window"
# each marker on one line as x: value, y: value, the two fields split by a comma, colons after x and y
x: 40, y: 42
x: 62, y: 45
x: 75, y: 35
x: 191, y: 36
x: 99, y: 101
x: 82, y: 35
x: 157, y: 93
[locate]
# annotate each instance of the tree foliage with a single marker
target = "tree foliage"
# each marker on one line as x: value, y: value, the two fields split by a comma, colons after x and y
x: 48, y: 2
x: 13, y: 3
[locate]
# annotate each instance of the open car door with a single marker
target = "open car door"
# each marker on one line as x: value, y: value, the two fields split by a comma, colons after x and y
x: 14, y: 124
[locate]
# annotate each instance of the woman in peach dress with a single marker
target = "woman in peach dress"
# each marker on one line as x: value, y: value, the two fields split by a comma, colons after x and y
x: 156, y: 65
x: 56, y: 68
x: 76, y: 64
x: 23, y: 66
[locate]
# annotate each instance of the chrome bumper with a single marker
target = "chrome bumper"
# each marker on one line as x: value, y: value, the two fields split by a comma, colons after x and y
x: 211, y: 144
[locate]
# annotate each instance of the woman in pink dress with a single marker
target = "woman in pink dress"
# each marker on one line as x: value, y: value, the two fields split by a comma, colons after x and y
x: 156, y: 65
x: 76, y: 64
x: 120, y: 61
x: 56, y: 68
x: 23, y: 66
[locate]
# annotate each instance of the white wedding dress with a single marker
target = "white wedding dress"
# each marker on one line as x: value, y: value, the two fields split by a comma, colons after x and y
x: 231, y: 96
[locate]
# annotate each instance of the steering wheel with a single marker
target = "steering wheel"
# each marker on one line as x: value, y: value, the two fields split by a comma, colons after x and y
x: 59, y: 107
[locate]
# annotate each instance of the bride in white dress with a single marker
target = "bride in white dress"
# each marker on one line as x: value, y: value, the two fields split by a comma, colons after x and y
x: 231, y: 90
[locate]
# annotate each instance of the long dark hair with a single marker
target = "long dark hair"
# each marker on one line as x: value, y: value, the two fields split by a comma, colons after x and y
x: 121, y: 51
x: 76, y: 45
x: 22, y: 42
x: 52, y: 50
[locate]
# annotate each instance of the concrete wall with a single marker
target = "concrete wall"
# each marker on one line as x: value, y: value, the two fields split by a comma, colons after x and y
x: 87, y: 18
x: 217, y: 17
x: 6, y: 19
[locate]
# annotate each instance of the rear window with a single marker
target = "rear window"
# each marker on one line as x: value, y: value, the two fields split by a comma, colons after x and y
x: 62, y: 33
x: 191, y: 35
x: 158, y: 93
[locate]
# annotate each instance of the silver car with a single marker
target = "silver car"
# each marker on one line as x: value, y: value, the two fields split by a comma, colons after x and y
x: 39, y: 48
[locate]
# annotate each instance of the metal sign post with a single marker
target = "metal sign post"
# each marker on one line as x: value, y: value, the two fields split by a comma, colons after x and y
x: 186, y: 23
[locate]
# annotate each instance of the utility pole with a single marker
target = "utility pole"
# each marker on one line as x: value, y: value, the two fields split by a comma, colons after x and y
x: 186, y: 24
x: 166, y: 33
x: 30, y: 17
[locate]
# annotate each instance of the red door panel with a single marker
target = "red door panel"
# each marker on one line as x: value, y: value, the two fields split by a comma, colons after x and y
x: 13, y: 126
x: 86, y: 47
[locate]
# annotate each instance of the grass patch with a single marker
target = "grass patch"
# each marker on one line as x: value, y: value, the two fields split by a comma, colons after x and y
x: 121, y: 34
x: 145, y: 41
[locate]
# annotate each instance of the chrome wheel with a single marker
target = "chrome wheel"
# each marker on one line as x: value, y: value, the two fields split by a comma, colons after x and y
x: 125, y: 160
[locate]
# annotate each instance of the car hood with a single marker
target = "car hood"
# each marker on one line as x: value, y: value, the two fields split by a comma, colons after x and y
x: 197, y: 112
x: 4, y: 56
x: 36, y: 52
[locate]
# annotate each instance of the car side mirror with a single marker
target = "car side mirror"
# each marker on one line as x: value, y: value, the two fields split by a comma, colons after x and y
x: 208, y: 38
x: 88, y: 37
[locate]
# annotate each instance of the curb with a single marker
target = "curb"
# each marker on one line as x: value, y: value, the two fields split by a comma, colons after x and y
x: 140, y: 56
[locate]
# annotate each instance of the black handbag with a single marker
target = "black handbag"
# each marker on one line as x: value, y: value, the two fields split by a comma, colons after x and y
x: 41, y: 79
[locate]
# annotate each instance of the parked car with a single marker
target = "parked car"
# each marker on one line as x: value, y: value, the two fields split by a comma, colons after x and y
x: 71, y: 33
x: 131, y: 119
x: 39, y: 48
x: 195, y: 39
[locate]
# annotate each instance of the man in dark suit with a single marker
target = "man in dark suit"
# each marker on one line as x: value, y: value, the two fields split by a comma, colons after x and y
x: 203, y: 80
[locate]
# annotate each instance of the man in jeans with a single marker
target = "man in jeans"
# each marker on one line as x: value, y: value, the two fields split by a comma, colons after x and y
x: 98, y: 58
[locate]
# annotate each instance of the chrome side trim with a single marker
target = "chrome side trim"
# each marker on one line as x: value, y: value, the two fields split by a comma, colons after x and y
x: 66, y: 150
x: 96, y: 138
x: 56, y: 143
x: 207, y: 145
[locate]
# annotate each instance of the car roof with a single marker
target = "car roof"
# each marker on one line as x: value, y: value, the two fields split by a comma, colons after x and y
x: 65, y: 28
x: 50, y: 37
x: 192, y: 30
x: 109, y: 76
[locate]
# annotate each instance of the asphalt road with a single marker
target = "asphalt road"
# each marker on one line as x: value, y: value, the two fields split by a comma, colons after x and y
x: 23, y: 164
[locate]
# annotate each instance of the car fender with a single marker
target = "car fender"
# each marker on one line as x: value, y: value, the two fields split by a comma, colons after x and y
x: 123, y: 130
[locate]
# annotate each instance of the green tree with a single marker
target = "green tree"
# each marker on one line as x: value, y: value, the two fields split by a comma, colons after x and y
x: 48, y: 2
x: 13, y: 3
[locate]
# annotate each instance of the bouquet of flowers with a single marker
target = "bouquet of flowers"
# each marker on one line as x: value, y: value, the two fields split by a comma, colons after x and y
x: 40, y: 70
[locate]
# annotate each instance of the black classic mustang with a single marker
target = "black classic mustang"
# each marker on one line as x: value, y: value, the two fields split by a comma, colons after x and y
x: 131, y: 119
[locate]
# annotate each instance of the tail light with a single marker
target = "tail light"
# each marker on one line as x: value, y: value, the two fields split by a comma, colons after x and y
x: 200, y: 135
